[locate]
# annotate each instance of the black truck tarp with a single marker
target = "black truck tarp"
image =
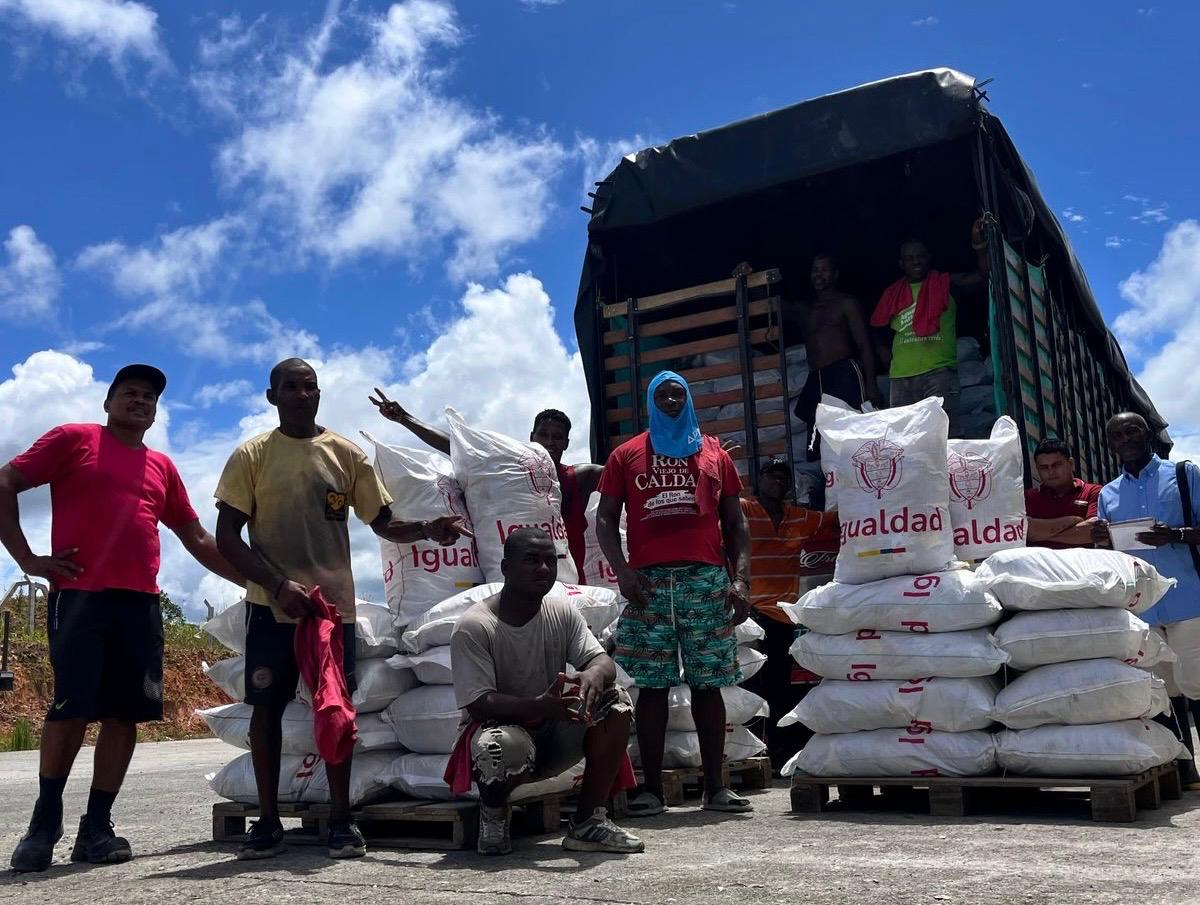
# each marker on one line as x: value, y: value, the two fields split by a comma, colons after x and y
x: 853, y: 172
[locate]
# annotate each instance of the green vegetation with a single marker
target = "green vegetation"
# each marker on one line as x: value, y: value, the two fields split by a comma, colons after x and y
x: 21, y: 738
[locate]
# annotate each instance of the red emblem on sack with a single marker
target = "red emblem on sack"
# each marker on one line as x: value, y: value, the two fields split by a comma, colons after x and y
x: 970, y: 478
x: 877, y: 466
x: 540, y: 470
x: 452, y: 496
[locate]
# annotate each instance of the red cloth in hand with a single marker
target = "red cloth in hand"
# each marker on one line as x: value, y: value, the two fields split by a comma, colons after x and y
x: 932, y: 301
x: 320, y: 656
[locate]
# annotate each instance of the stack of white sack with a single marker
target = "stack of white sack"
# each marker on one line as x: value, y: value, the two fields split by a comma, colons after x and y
x: 742, y: 706
x: 1082, y: 706
x: 508, y: 485
x: 426, y: 718
x: 868, y: 642
x: 900, y: 637
x: 762, y: 377
x: 419, y: 575
x: 302, y: 775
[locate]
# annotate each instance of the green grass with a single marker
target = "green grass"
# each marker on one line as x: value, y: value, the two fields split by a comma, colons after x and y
x: 21, y: 738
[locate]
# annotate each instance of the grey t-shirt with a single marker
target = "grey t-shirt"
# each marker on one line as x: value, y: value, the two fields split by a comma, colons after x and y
x: 490, y: 655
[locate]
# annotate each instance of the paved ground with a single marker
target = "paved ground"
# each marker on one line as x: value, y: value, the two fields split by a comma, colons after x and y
x: 691, y: 857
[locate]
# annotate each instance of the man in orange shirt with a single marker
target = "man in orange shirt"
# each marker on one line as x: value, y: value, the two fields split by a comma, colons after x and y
x: 792, y: 550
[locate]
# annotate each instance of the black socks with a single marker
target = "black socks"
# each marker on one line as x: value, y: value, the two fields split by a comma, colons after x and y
x: 99, y: 806
x: 49, y: 808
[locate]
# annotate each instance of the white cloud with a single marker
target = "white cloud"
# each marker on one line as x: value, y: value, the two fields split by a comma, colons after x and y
x: 1113, y: 242
x: 371, y: 156
x: 181, y: 260
x: 29, y: 281
x: 1164, y: 300
x: 168, y: 277
x: 116, y: 29
x: 1149, y: 213
x: 1073, y: 216
x: 925, y: 21
x: 219, y: 393
x: 539, y: 4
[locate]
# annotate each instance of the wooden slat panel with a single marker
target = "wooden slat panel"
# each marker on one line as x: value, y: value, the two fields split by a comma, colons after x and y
x: 706, y: 372
x: 726, y: 425
x: 699, y: 347
x: 724, y: 315
x: 709, y: 400
x: 773, y: 448
x: 692, y: 293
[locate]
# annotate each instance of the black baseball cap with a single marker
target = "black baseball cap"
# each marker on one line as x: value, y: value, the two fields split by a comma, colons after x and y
x: 148, y: 373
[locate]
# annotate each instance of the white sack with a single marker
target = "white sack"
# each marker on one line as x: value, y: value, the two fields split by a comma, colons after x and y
x: 987, y: 492
x: 425, y: 719
x: 1107, y: 749
x: 229, y: 675
x: 374, y: 631
x: 1057, y: 636
x: 751, y: 661
x: 944, y: 705
x: 597, y: 571
x: 950, y: 601
x: 891, y: 489
x: 1038, y: 578
x: 896, y: 752
x: 869, y: 655
x: 431, y: 667
x: 1081, y: 692
x: 373, y: 628
x: 741, y: 706
x: 599, y: 606
x: 378, y: 685
x: 231, y: 724
x: 302, y: 779
x: 508, y: 485
x: 682, y: 749
x: 418, y: 575
x: 228, y: 627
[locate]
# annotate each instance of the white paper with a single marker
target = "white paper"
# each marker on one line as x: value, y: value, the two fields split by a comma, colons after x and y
x: 1124, y: 534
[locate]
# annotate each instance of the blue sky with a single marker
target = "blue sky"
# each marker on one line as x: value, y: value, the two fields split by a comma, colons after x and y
x: 213, y: 185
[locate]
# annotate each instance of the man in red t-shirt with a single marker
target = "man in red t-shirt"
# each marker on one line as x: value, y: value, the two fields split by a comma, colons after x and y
x: 108, y: 493
x: 551, y: 431
x: 680, y: 493
x: 1062, y: 508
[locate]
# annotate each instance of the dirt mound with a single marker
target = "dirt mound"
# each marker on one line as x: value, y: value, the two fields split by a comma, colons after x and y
x: 185, y: 687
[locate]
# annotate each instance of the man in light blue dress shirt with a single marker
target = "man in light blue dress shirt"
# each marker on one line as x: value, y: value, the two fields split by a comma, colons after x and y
x: 1148, y: 488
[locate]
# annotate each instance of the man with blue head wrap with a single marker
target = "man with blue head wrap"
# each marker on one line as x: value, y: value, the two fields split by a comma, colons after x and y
x: 685, y: 530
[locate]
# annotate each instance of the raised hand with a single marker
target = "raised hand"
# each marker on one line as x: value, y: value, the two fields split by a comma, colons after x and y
x: 389, y: 408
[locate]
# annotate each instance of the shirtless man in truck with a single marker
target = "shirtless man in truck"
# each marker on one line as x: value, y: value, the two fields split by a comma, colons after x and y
x: 841, y: 360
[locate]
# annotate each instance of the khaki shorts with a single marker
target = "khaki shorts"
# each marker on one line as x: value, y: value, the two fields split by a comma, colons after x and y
x: 500, y: 751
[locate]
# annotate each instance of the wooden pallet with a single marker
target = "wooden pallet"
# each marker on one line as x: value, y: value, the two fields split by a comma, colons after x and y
x: 407, y: 823
x: 1114, y: 799
x: 680, y: 783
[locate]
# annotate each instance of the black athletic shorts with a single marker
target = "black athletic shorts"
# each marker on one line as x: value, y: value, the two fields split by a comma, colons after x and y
x: 106, y: 648
x: 272, y: 673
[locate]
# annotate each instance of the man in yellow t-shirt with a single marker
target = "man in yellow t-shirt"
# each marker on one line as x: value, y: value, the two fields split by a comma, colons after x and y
x: 293, y: 487
x: 924, y: 351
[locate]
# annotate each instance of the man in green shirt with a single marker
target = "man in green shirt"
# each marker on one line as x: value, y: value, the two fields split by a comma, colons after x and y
x: 921, y: 311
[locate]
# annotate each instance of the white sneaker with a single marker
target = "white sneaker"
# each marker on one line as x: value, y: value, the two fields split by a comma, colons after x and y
x: 599, y: 834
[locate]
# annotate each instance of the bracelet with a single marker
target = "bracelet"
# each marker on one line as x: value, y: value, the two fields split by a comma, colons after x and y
x: 278, y: 588
x: 1181, y: 535
x: 425, y: 530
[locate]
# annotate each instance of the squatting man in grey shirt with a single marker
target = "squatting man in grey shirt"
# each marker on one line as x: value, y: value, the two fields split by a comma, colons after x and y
x: 527, y: 720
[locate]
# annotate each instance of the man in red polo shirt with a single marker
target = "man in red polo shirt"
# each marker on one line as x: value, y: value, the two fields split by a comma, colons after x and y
x: 108, y: 494
x: 1062, y: 508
